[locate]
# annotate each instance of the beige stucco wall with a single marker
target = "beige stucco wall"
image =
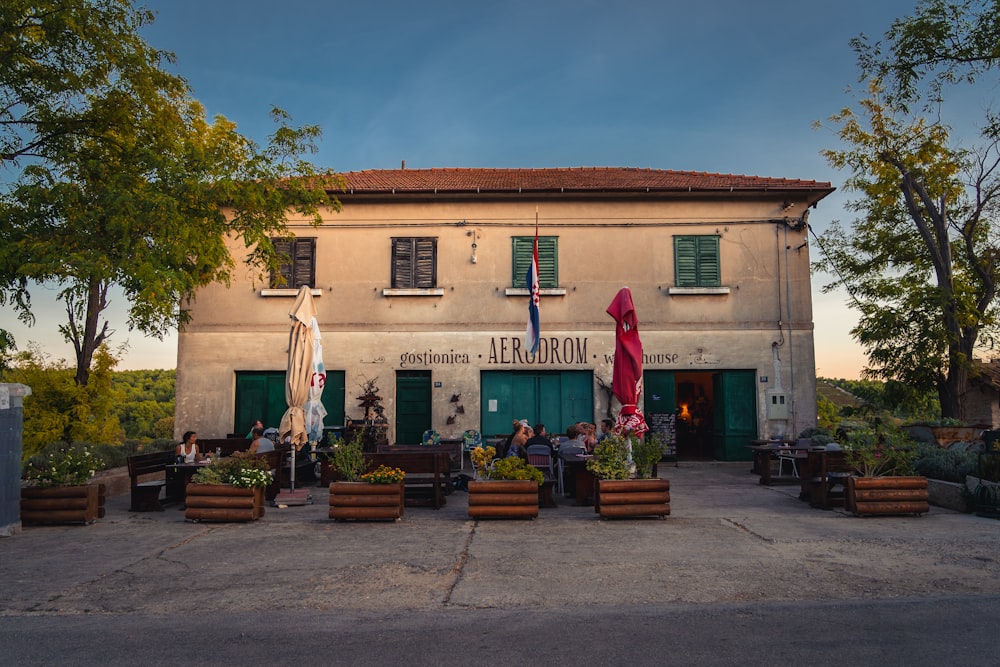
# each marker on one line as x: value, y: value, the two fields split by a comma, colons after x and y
x: 763, y: 323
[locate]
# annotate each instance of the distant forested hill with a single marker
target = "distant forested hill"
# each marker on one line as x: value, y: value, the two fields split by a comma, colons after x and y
x: 146, y: 408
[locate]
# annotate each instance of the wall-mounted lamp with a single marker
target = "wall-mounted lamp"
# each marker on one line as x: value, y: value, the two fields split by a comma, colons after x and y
x: 475, y: 237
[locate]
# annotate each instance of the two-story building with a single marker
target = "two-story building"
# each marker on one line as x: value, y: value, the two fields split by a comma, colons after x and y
x: 420, y: 287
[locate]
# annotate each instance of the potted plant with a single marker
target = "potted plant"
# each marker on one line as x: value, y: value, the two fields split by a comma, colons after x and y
x: 618, y: 493
x: 506, y: 489
x: 884, y: 481
x: 482, y: 459
x: 377, y: 494
x: 59, y: 491
x: 228, y: 489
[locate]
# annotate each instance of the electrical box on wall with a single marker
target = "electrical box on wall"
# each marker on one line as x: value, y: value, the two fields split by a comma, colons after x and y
x: 777, y: 404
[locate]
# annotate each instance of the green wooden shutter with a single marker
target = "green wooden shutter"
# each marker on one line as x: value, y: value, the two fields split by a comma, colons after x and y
x: 696, y: 261
x: 548, y: 260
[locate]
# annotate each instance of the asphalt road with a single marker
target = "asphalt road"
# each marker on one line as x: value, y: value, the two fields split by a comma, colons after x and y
x: 738, y: 574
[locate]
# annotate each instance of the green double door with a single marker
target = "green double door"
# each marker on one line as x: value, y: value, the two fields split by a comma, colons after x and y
x: 734, y: 408
x: 554, y: 398
x: 261, y: 395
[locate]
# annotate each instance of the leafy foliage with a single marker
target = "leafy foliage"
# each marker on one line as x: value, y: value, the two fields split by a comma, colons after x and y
x: 151, y: 196
x: 241, y: 469
x: 70, y: 466
x: 945, y: 464
x: 920, y: 262
x: 943, y: 42
x: 514, y: 467
x: 610, y: 458
x: 646, y: 452
x: 348, y: 457
x: 60, y: 411
x: 880, y: 450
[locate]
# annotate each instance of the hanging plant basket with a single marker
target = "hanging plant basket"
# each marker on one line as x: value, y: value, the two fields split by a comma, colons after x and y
x: 366, y: 501
x: 223, y: 502
x: 873, y: 496
x: 62, y: 504
x: 632, y: 498
x: 503, y: 499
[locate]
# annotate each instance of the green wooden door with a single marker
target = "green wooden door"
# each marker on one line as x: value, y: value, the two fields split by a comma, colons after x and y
x: 261, y: 395
x: 735, y: 418
x: 413, y: 406
x: 555, y: 398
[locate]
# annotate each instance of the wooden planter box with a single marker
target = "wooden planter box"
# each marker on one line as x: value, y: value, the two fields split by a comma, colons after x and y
x: 361, y: 500
x: 62, y: 504
x: 632, y: 498
x: 870, y: 496
x: 223, y: 502
x: 503, y: 499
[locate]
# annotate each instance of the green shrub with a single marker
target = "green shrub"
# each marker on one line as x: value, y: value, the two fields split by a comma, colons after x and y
x: 945, y: 464
x: 514, y: 467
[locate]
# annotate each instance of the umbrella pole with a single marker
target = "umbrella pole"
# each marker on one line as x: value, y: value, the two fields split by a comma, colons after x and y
x: 291, y: 473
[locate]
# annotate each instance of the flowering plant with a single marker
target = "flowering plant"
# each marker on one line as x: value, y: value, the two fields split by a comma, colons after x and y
x: 880, y: 452
x: 384, y: 475
x: 67, y: 467
x: 242, y: 469
x: 481, y: 458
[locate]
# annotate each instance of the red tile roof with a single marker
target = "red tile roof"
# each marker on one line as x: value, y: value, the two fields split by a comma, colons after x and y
x: 566, y: 180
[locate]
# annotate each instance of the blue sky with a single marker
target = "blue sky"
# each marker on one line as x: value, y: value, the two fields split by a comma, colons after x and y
x: 720, y: 86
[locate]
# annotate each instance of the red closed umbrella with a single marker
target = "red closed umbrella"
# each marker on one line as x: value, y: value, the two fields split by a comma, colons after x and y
x: 626, y: 381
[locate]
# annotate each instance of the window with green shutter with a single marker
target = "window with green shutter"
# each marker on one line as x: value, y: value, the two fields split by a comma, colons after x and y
x: 298, y: 263
x: 696, y: 261
x: 548, y: 260
x: 414, y: 262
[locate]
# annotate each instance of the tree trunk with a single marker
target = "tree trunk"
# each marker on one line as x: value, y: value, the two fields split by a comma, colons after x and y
x: 85, y: 342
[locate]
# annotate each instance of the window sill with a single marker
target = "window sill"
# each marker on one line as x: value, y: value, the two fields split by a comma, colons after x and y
x: 285, y: 291
x: 696, y: 291
x: 544, y: 291
x: 432, y: 291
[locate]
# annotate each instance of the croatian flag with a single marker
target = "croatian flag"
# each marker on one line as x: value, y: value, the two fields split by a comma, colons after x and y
x: 532, y: 333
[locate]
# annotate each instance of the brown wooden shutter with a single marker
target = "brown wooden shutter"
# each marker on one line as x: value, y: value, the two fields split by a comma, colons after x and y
x: 298, y: 267
x: 414, y: 263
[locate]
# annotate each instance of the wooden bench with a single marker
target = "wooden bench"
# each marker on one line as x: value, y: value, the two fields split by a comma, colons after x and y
x: 451, y: 447
x: 227, y: 445
x: 428, y: 475
x: 146, y: 492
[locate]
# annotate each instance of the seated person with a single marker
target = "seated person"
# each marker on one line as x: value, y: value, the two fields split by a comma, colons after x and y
x: 518, y: 439
x: 260, y: 444
x: 540, y: 437
x: 187, y: 450
x: 574, y: 445
x: 256, y: 424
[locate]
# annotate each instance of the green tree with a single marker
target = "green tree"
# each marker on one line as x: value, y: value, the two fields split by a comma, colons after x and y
x: 54, y: 56
x: 153, y: 199
x: 942, y: 43
x: 920, y: 261
x: 59, y: 410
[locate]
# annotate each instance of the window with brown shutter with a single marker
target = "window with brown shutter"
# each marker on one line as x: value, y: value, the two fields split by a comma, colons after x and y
x: 414, y: 262
x: 298, y: 263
